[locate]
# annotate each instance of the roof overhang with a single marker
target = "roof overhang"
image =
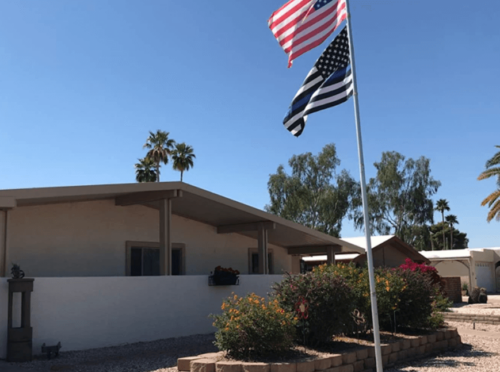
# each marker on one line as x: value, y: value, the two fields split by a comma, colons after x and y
x: 193, y: 203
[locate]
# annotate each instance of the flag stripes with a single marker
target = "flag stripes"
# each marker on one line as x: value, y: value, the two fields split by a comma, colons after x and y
x: 329, y: 83
x: 301, y: 25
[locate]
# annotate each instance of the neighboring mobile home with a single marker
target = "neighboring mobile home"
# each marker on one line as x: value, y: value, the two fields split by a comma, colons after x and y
x: 478, y: 267
x: 388, y: 251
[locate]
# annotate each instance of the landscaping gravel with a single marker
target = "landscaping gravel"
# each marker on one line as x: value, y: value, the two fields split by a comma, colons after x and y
x: 158, y: 356
x: 479, y: 354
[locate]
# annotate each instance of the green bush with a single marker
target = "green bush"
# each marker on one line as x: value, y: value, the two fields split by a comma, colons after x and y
x: 406, y: 297
x: 251, y: 326
x: 322, y: 302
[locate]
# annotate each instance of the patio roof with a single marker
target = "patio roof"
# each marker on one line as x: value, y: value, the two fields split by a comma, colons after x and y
x: 195, y: 204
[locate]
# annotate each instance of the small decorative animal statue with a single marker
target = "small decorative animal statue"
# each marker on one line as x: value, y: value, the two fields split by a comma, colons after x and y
x: 16, y: 272
x: 51, y: 349
x: 478, y: 296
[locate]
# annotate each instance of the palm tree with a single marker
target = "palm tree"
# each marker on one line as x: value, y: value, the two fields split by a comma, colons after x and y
x: 452, y: 220
x: 182, y: 157
x: 493, y: 200
x: 144, y: 171
x: 441, y: 206
x: 160, y: 148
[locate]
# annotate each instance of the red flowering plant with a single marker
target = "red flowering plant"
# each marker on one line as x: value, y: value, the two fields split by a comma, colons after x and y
x: 426, y: 297
x: 226, y: 270
x: 413, y: 266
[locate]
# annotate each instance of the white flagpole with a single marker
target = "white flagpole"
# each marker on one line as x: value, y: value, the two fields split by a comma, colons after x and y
x: 369, y: 256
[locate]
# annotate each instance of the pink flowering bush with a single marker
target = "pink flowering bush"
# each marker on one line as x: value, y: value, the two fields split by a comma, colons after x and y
x: 413, y: 266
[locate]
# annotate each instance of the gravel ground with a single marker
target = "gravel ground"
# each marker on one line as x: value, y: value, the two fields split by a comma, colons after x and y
x: 491, y: 308
x: 157, y: 356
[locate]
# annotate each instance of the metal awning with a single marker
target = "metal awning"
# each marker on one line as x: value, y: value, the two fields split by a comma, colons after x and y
x: 196, y: 204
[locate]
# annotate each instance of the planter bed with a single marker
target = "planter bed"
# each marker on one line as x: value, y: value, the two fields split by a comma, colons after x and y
x: 350, y: 355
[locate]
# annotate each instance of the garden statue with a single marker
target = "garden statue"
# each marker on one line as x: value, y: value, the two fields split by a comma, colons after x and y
x: 16, y: 272
x: 478, y: 296
x: 51, y: 349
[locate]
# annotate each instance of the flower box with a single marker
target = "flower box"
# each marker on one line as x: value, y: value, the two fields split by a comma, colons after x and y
x: 222, y: 276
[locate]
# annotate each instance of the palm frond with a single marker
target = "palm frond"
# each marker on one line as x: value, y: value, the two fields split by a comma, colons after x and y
x: 492, y: 172
x: 490, y: 199
x: 494, y: 211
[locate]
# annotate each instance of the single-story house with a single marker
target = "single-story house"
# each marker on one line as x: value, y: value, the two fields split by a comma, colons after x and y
x: 478, y: 267
x: 144, y: 229
x: 387, y: 250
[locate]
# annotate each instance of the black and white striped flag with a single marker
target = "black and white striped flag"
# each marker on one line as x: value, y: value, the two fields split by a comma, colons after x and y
x: 328, y: 84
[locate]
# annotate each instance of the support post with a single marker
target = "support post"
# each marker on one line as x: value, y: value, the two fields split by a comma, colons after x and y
x: 263, y: 252
x: 165, y: 242
x: 369, y: 255
x: 330, y: 255
x: 5, y: 243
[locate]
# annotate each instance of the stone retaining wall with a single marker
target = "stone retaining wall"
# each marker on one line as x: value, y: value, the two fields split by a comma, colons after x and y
x: 469, y: 318
x: 354, y: 361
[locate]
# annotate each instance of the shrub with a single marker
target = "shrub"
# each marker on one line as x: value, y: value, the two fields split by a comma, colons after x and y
x: 321, y: 300
x: 426, y: 299
x: 252, y: 326
x: 406, y: 296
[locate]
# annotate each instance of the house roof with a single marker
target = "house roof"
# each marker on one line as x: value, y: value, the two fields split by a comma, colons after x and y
x: 376, y: 241
x: 453, y: 253
x: 338, y: 257
x: 360, y: 241
x: 195, y: 203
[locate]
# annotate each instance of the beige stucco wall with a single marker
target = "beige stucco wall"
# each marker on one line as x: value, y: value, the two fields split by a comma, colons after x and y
x: 88, y: 239
x: 448, y: 269
x: 2, y: 242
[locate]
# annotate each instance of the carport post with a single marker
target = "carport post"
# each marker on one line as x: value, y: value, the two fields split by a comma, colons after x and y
x: 330, y: 255
x: 165, y: 243
x: 262, y: 242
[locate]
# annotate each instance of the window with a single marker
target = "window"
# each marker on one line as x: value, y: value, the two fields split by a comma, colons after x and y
x: 143, y: 259
x: 253, y: 261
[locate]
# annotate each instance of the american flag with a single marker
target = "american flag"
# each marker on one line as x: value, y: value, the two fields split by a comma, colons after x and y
x: 301, y: 25
x: 328, y: 84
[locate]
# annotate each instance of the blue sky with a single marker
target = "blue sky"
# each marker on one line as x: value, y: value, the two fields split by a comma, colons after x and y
x: 82, y: 83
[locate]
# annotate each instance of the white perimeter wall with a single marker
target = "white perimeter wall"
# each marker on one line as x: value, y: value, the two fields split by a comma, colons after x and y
x: 84, y: 313
x: 89, y: 239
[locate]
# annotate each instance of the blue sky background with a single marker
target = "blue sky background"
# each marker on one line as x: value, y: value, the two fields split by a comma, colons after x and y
x: 82, y: 83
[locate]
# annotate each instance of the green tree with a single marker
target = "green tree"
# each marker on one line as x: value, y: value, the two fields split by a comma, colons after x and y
x: 313, y: 195
x: 399, y: 199
x: 493, y: 200
x: 144, y: 171
x: 442, y: 206
x: 459, y: 238
x: 452, y: 220
x: 160, y: 148
x: 182, y: 157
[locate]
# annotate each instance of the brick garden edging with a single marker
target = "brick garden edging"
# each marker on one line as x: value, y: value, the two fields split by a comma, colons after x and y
x: 355, y: 361
x: 487, y: 319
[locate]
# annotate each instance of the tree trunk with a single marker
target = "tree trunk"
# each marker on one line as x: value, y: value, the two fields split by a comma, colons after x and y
x: 157, y: 172
x: 451, y: 236
x: 444, y: 238
x: 181, y: 174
